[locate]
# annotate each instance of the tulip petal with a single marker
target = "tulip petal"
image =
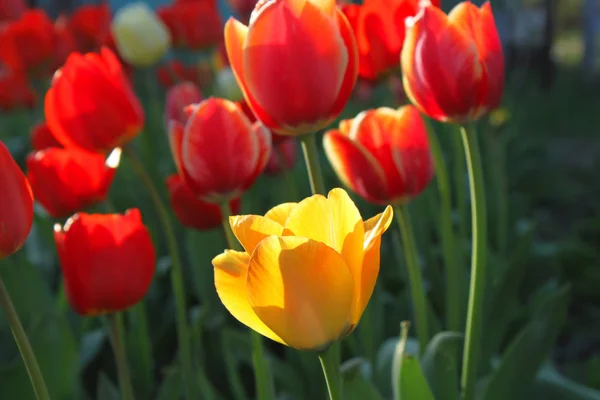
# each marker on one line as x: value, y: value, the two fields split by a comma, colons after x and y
x: 280, y: 212
x: 301, y: 289
x: 263, y: 138
x: 235, y: 37
x: 231, y: 271
x: 356, y: 168
x: 333, y: 220
x: 374, y: 228
x: 176, y: 130
x: 251, y: 229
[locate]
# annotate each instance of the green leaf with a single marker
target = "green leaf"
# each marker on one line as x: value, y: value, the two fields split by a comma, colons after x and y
x: 550, y: 385
x: 385, y: 356
x: 528, y: 350
x: 48, y: 332
x: 356, y: 383
x: 170, y: 387
x: 91, y: 344
x: 106, y: 389
x: 413, y: 384
x: 440, y: 364
x: 139, y: 350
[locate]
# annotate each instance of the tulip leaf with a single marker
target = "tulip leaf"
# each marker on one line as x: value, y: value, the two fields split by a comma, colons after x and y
x: 106, y: 389
x: 91, y: 344
x: 47, y: 330
x: 528, y: 350
x: 170, y: 387
x: 413, y: 384
x: 385, y: 356
x: 356, y: 385
x: 550, y: 385
x: 440, y: 364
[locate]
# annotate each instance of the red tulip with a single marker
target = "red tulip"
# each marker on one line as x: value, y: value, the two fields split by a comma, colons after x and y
x: 15, y: 91
x: 218, y: 151
x: 107, y: 261
x: 282, y: 157
x: 383, y: 155
x: 42, y: 137
x: 90, y: 24
x: 28, y: 43
x: 16, y: 205
x: 296, y: 63
x: 453, y: 65
x: 242, y: 8
x: 65, y: 43
x: 193, y: 24
x: 193, y: 212
x: 380, y: 29
x: 65, y: 181
x: 91, y: 104
x: 175, y: 71
x: 11, y: 9
x: 179, y: 97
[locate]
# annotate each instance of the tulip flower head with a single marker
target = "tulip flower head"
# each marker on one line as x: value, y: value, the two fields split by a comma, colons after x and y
x: 107, y: 261
x: 90, y: 24
x: 193, y: 212
x: 379, y: 26
x: 218, y: 151
x: 383, y: 155
x: 194, y: 24
x: 283, y: 156
x: 453, y: 65
x: 16, y: 205
x: 65, y: 181
x: 180, y: 96
x: 307, y: 272
x: 141, y: 37
x: 42, y: 137
x: 296, y: 63
x: 91, y: 104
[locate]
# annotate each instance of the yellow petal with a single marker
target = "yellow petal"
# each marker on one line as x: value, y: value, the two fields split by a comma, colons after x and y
x: 251, y: 229
x: 301, y: 289
x: 231, y: 271
x: 366, y: 280
x: 334, y: 221
x: 280, y: 213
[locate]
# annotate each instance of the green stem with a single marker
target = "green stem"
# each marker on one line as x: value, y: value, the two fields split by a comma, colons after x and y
x: 398, y: 359
x: 330, y: 363
x: 185, y: 348
x: 478, y: 264
x: 461, y: 194
x: 262, y: 376
x: 311, y: 156
x: 31, y: 364
x: 414, y: 275
x: 117, y: 336
x: 454, y: 272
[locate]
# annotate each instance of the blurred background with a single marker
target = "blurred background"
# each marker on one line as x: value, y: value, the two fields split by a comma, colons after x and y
x: 548, y: 133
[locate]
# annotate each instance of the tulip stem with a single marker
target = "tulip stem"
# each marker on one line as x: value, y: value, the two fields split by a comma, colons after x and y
x: 185, y: 348
x: 454, y: 272
x: 478, y: 263
x: 414, y: 275
x: 262, y: 376
x: 31, y: 364
x: 330, y: 363
x: 311, y: 157
x: 117, y: 336
x: 461, y: 198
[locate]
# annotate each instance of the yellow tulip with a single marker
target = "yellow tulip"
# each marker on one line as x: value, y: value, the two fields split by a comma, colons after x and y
x: 141, y: 37
x: 307, y: 272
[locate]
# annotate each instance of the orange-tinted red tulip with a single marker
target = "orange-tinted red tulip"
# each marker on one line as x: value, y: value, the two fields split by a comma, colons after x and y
x: 193, y: 212
x: 193, y: 24
x: 283, y: 157
x: 383, y: 155
x: 65, y: 181
x: 11, y: 9
x: 16, y: 205
x: 107, y: 261
x: 90, y: 24
x: 296, y: 63
x: 218, y: 151
x: 179, y: 97
x: 15, y: 91
x: 28, y: 43
x: 91, y: 104
x: 42, y: 137
x: 379, y: 26
x: 453, y: 65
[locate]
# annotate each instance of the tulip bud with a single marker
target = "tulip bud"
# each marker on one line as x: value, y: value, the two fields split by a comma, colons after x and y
x: 16, y: 205
x: 141, y: 37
